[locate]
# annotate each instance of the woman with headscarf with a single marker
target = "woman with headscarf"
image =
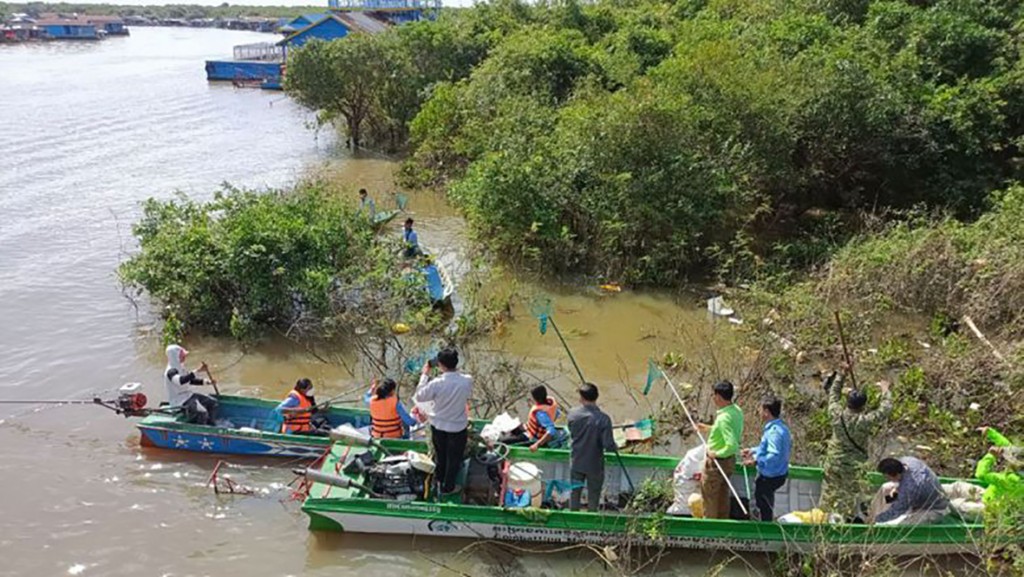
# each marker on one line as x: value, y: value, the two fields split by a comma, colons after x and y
x: 199, y: 409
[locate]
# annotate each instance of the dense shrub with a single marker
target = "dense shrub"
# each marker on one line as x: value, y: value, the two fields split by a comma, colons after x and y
x: 249, y: 264
x: 646, y: 141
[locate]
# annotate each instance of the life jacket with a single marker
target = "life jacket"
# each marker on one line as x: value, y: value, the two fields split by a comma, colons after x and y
x: 384, y: 419
x: 533, y: 426
x: 298, y: 422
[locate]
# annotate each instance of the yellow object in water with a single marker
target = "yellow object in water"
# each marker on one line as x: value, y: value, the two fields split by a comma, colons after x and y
x: 611, y: 288
x: 400, y: 328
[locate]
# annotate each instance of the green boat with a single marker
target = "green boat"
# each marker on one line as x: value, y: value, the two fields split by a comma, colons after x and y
x: 343, y: 503
x: 384, y: 217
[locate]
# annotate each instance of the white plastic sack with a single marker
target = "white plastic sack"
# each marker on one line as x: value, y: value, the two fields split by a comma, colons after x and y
x: 502, y: 424
x: 686, y: 480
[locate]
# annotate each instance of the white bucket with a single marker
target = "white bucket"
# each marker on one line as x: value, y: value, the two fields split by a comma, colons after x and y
x: 527, y: 476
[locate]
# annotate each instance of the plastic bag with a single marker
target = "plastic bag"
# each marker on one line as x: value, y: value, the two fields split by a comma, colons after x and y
x: 686, y: 480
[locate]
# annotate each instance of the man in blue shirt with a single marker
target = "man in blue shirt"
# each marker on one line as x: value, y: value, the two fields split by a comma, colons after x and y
x: 771, y: 457
x: 410, y: 240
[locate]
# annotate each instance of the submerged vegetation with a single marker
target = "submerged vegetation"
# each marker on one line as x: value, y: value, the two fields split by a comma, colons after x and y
x: 249, y: 264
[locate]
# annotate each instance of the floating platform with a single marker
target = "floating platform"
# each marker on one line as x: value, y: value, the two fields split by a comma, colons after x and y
x: 246, y: 72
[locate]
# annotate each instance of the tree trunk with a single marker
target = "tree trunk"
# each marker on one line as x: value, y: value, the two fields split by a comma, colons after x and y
x: 353, y: 131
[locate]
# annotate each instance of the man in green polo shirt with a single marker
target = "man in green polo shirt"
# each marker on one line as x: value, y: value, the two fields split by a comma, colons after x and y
x: 723, y: 439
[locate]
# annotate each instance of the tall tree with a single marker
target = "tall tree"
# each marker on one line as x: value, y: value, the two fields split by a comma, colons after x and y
x: 339, y: 79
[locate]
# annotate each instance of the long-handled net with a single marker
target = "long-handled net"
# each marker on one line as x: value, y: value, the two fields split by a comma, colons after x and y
x: 401, y: 201
x: 541, y: 308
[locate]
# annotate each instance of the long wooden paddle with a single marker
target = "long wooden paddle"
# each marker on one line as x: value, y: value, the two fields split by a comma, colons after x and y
x: 206, y: 369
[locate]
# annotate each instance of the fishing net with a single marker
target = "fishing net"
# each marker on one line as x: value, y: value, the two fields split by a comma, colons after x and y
x: 653, y: 374
x: 415, y: 363
x: 541, y: 308
x: 401, y: 201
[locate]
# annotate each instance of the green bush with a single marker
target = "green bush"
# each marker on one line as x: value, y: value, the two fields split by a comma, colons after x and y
x: 250, y: 264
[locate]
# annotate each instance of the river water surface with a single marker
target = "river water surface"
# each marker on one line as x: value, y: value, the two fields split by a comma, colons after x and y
x: 92, y: 129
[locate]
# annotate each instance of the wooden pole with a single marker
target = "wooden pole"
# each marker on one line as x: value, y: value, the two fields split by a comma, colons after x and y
x: 846, y: 352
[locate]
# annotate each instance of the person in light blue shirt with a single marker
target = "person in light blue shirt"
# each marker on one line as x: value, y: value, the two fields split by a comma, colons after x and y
x: 771, y: 457
x: 366, y: 203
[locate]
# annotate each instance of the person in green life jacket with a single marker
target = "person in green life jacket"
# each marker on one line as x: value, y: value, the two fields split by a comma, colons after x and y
x: 844, y: 466
x: 723, y: 445
x: 1004, y: 497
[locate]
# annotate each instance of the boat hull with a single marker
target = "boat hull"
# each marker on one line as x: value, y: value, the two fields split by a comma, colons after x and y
x: 214, y: 441
x: 333, y: 508
x: 695, y: 534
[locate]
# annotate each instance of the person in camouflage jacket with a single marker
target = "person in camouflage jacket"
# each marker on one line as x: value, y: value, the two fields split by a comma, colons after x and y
x: 846, y: 455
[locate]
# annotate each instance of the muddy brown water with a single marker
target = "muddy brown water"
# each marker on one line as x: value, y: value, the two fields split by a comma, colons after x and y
x: 91, y: 129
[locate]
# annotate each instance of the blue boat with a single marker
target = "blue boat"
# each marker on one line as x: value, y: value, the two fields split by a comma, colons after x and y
x: 247, y: 426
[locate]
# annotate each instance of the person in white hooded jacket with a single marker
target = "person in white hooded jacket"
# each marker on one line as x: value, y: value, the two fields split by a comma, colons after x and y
x: 200, y: 409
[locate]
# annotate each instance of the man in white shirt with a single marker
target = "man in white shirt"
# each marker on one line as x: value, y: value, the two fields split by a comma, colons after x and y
x: 450, y: 392
x: 199, y: 409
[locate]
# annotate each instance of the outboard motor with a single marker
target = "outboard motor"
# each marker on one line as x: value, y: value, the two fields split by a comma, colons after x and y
x: 130, y: 400
x: 400, y: 477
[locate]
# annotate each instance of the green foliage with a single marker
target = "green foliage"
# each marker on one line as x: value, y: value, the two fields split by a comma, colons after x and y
x: 653, y: 495
x: 377, y: 83
x: 643, y: 142
x: 173, y: 330
x: 247, y: 264
x: 943, y: 268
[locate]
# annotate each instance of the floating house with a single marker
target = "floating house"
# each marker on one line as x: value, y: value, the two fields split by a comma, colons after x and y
x: 334, y: 26
x: 18, y: 32
x: 262, y: 64
x: 112, y: 25
x: 68, y: 29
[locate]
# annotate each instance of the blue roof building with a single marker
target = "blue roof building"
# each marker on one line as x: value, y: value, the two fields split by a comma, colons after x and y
x: 334, y: 26
x: 67, y: 29
x: 300, y: 22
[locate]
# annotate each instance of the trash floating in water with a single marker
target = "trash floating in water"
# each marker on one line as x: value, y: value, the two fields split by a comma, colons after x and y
x: 76, y: 569
x: 716, y: 306
x: 612, y: 287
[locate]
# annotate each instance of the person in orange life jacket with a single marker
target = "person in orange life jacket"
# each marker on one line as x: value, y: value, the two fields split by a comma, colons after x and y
x: 388, y: 417
x: 297, y: 409
x: 540, y: 425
